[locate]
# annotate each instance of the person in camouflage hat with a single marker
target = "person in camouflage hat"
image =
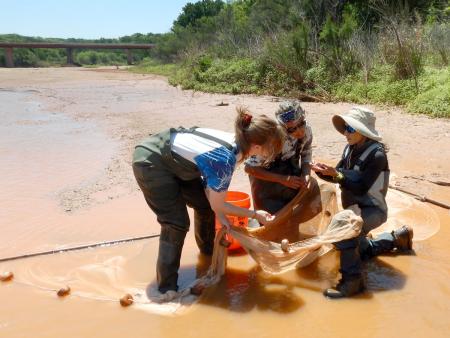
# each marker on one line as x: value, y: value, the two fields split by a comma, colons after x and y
x: 273, y: 185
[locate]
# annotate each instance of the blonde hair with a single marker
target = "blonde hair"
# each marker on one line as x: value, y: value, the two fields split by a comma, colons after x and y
x: 260, y: 130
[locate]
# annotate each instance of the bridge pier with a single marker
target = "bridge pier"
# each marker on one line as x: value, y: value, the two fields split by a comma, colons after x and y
x: 129, y: 57
x: 9, y: 57
x: 69, y: 52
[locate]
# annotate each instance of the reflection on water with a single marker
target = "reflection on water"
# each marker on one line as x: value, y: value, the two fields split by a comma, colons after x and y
x: 404, y: 209
x: 42, y: 154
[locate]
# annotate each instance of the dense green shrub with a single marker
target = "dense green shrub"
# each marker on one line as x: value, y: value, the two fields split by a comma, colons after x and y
x: 230, y: 76
x: 438, y: 34
x: 435, y: 96
x: 25, y: 58
x: 90, y: 57
x: 153, y: 66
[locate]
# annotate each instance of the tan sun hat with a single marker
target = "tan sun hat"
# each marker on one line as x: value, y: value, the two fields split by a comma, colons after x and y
x: 359, y: 118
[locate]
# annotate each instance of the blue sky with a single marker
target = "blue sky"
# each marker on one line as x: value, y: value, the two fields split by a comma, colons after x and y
x: 88, y: 19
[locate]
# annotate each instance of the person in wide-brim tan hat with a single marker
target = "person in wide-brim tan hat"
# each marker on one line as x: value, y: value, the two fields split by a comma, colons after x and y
x: 359, y: 118
x: 363, y: 177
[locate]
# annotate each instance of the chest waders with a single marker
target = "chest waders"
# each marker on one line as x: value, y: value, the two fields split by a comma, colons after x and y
x: 376, y: 194
x: 272, y: 196
x: 170, y: 183
x: 374, y: 213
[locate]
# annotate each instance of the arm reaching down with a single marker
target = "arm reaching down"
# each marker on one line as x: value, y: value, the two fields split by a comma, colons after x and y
x: 222, y: 208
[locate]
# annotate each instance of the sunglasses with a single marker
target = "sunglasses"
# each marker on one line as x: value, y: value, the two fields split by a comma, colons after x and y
x: 298, y: 126
x: 349, y: 129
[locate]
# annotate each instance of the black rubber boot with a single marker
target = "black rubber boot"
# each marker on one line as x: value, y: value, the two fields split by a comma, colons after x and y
x: 348, y: 286
x: 205, y: 232
x: 403, y: 238
x: 170, y: 246
x: 351, y: 282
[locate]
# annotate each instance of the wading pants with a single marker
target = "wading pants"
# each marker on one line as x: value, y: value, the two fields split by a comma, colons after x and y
x: 170, y: 184
x: 272, y: 196
x: 354, y: 250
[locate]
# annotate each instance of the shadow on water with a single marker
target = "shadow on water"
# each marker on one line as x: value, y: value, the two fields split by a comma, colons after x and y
x: 243, y: 291
x: 381, y: 276
x: 239, y: 290
x: 246, y: 290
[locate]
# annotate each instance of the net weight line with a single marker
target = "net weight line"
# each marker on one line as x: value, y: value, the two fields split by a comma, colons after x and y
x: 420, y: 198
x: 87, y: 246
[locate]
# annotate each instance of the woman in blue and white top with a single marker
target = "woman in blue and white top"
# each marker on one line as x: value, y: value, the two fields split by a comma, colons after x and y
x: 193, y: 167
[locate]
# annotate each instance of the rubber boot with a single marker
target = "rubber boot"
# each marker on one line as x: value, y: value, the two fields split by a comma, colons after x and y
x: 403, y: 238
x: 204, y: 223
x: 171, y: 243
x: 395, y: 241
x: 348, y: 286
x: 351, y: 282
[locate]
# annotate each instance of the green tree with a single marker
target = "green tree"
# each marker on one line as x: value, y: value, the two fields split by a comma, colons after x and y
x: 270, y: 15
x: 193, y: 12
x: 335, y: 39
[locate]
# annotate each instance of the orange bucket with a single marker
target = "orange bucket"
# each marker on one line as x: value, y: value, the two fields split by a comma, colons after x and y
x: 240, y: 199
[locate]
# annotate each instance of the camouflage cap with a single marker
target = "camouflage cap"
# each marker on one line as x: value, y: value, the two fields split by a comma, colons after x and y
x: 289, y: 111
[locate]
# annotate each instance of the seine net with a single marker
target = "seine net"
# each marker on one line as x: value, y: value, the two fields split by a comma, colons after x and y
x: 300, y: 233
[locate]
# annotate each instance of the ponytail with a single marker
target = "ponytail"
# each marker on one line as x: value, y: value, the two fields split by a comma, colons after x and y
x: 260, y: 130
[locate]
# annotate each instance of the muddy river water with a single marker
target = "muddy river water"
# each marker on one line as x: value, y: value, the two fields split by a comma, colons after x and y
x: 66, y: 137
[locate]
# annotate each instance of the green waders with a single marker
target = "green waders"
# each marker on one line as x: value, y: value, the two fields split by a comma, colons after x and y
x: 271, y: 196
x: 170, y: 183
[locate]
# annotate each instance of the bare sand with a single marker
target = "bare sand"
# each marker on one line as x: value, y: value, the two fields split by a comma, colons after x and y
x: 66, y: 139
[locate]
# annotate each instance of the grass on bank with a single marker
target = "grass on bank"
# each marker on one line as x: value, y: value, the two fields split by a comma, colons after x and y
x: 149, y: 66
x: 432, y: 98
x: 245, y: 76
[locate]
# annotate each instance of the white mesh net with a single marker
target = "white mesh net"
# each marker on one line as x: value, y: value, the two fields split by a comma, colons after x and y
x: 310, y: 222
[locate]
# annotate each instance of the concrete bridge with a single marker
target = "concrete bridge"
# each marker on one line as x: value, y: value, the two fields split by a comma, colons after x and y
x: 9, y: 47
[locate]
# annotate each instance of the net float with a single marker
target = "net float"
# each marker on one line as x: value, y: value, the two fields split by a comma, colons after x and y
x: 285, y: 245
x: 63, y: 291
x: 126, y: 300
x: 6, y: 276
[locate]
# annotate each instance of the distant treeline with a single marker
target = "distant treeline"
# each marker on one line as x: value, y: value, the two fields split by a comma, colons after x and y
x: 42, y: 57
